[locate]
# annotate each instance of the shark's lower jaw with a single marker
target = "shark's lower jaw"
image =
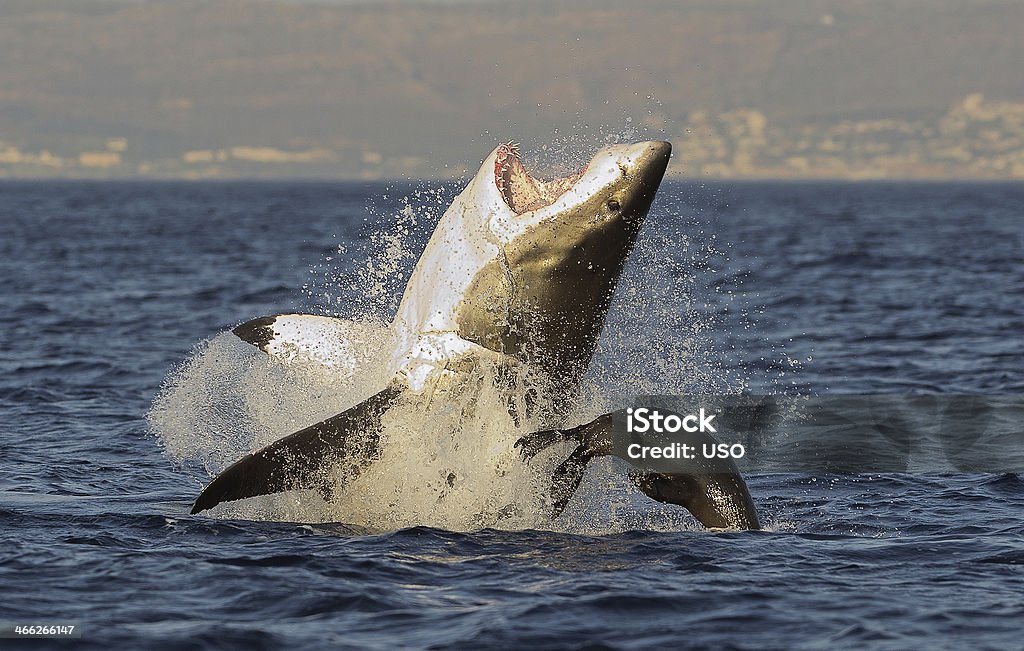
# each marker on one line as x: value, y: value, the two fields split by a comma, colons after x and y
x: 522, y: 192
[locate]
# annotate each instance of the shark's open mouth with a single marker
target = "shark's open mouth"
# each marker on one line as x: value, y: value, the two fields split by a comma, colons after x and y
x: 521, y: 191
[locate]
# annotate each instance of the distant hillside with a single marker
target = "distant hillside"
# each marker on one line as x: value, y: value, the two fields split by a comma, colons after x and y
x: 245, y: 87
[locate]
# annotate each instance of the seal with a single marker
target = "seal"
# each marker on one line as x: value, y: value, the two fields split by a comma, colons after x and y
x: 711, y: 489
x: 518, y: 275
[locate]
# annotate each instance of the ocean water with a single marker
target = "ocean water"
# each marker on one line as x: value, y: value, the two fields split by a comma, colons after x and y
x: 782, y: 289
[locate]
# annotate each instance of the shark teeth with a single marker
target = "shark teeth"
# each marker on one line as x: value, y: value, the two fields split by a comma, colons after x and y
x: 512, y: 148
x: 522, y: 192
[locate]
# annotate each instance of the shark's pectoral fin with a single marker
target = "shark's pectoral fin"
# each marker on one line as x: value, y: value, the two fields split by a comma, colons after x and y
x: 321, y: 339
x: 304, y: 459
x: 259, y: 331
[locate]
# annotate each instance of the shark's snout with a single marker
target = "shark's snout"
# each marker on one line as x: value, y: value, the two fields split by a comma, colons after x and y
x: 642, y: 166
x: 657, y: 153
x: 652, y: 161
x: 655, y: 160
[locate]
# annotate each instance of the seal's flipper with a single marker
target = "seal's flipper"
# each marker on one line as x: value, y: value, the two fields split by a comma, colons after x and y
x: 566, y: 479
x: 533, y: 444
x: 594, y: 437
x: 322, y: 339
x: 302, y: 459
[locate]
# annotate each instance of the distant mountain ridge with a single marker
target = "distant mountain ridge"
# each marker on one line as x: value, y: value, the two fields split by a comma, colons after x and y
x: 239, y: 87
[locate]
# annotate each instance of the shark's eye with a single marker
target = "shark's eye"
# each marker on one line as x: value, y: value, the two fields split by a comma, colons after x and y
x: 613, y: 204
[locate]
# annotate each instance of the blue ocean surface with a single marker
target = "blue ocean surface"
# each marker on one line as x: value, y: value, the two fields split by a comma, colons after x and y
x: 780, y: 289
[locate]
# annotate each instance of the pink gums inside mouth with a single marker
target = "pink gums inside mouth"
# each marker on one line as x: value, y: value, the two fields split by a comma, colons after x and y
x: 521, y: 191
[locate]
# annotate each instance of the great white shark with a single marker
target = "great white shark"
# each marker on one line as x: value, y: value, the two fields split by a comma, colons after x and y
x: 518, y: 276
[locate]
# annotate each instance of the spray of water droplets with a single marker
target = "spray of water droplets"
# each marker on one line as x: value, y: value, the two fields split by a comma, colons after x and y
x: 451, y: 464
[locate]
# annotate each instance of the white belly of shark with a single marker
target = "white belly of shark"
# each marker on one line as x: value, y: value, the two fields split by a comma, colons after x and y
x: 510, y: 293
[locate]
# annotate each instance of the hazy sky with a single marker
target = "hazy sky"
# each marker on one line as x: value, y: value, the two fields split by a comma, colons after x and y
x: 386, y: 87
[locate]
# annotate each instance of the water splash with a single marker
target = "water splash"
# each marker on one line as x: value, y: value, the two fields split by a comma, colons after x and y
x: 228, y: 398
x: 450, y: 463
